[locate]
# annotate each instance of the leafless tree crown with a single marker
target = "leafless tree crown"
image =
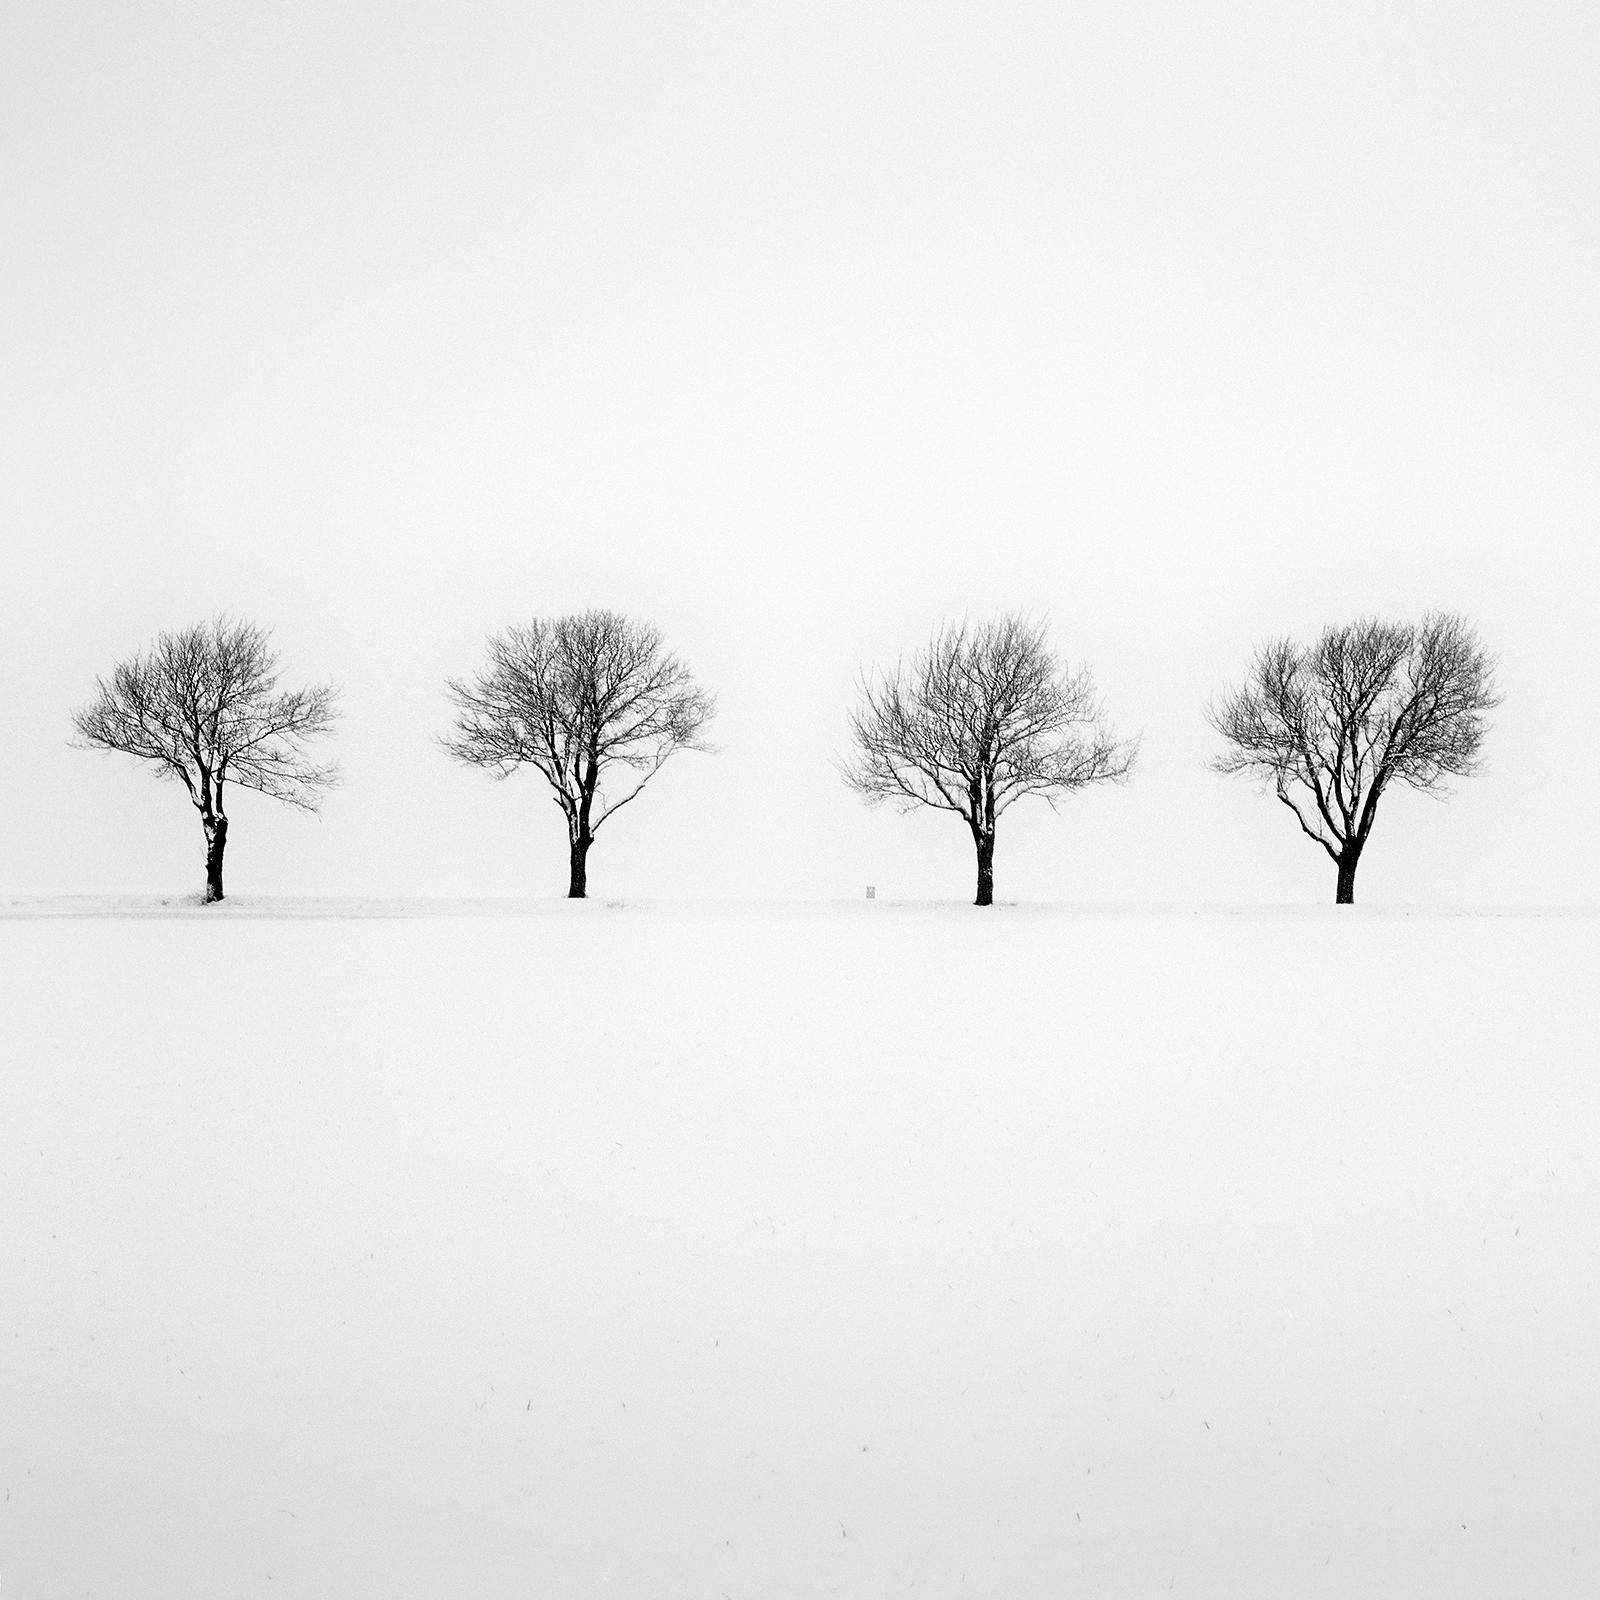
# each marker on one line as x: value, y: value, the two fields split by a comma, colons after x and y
x: 981, y: 717
x: 577, y: 697
x: 203, y: 707
x: 1331, y: 726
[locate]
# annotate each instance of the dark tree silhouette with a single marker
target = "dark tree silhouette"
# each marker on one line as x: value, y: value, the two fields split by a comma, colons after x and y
x: 1332, y: 726
x: 202, y: 706
x: 582, y: 700
x: 978, y: 719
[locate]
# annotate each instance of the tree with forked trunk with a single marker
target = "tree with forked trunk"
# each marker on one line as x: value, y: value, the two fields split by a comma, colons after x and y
x: 203, y: 707
x: 584, y: 700
x: 1331, y: 726
x: 979, y: 718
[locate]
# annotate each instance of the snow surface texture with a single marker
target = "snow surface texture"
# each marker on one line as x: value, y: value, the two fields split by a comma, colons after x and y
x: 867, y: 1250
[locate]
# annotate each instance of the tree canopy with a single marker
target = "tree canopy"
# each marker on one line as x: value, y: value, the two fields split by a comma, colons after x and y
x: 981, y: 717
x: 584, y: 700
x: 203, y: 708
x: 1331, y: 726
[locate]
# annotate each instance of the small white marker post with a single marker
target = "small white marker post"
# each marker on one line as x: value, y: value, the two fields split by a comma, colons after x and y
x: 872, y: 893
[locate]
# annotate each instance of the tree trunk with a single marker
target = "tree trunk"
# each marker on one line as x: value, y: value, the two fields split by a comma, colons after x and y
x: 1345, y: 894
x: 216, y: 842
x: 985, y: 842
x: 578, y: 888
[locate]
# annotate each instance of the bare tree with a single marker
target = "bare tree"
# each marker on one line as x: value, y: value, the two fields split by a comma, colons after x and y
x: 202, y: 706
x: 1372, y: 703
x: 583, y: 700
x: 978, y: 719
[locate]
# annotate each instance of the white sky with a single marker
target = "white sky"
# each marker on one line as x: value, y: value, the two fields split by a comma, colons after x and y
x: 798, y: 328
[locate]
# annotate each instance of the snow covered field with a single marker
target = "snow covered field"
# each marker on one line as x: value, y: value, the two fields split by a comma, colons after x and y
x: 742, y: 1252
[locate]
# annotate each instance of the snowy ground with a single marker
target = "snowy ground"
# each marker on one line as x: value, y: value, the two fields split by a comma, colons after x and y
x: 754, y: 1253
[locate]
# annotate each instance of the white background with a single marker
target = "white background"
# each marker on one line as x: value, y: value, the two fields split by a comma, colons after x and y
x: 797, y: 329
